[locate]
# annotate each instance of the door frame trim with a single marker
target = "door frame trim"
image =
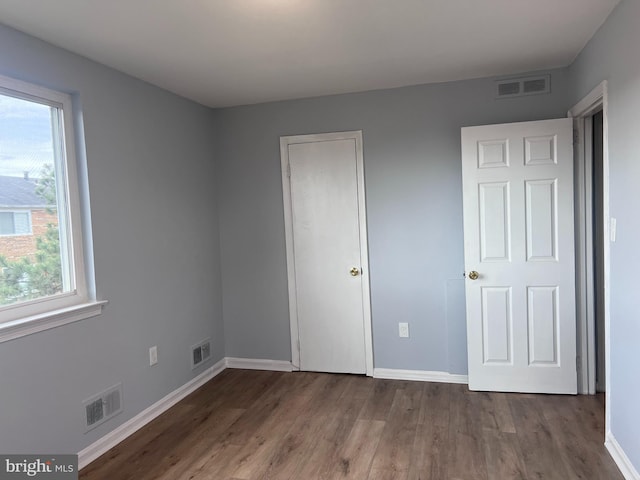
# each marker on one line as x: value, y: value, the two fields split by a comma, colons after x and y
x: 581, y: 113
x: 285, y: 141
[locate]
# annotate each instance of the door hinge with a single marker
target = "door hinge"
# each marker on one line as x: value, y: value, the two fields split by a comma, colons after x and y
x: 576, y: 136
x: 288, y: 170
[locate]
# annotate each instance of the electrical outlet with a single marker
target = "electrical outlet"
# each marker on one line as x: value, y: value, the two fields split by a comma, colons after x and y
x: 403, y: 329
x: 153, y: 355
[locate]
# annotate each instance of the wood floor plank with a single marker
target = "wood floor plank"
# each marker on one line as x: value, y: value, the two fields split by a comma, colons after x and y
x: 251, y: 460
x: 434, y: 407
x: 326, y: 393
x: 199, y: 445
x: 209, y: 467
x: 429, y: 456
x: 258, y: 425
x: 293, y: 448
x: 359, y: 387
x: 201, y: 401
x: 379, y: 402
x: 330, y: 438
x: 432, y: 433
x: 466, y: 459
x: 396, y: 444
x: 357, y: 453
x: 136, y: 445
x: 387, y: 474
x: 503, y: 455
x: 344, y: 416
x: 581, y: 435
x: 256, y: 414
x: 540, y: 451
x: 176, y: 446
x: 253, y: 385
x: 495, y: 412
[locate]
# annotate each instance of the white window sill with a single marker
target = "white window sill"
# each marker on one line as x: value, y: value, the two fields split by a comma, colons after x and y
x: 44, y: 321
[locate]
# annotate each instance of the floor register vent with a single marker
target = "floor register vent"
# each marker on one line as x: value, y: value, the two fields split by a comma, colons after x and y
x: 200, y: 353
x: 103, y: 406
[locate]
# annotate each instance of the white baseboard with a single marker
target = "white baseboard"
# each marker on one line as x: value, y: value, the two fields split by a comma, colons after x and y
x: 259, y: 364
x: 111, y: 439
x: 419, y: 375
x: 620, y: 457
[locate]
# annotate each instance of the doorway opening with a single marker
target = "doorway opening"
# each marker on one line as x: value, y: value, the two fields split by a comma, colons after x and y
x: 592, y: 241
x: 598, y: 241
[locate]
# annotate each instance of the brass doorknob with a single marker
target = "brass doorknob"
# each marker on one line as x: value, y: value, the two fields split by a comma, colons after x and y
x: 355, y: 271
x: 473, y: 275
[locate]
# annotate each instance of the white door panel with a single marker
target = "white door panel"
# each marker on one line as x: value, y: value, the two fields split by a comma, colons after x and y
x: 519, y: 237
x: 326, y: 243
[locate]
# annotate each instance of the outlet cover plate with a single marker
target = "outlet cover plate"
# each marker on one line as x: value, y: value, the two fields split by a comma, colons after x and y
x: 153, y: 355
x: 403, y: 330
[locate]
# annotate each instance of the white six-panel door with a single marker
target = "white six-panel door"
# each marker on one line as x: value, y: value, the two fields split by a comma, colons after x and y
x: 326, y: 242
x: 519, y: 240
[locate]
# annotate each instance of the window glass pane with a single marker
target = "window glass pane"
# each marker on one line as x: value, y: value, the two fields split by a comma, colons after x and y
x: 6, y: 223
x: 21, y: 223
x: 31, y: 262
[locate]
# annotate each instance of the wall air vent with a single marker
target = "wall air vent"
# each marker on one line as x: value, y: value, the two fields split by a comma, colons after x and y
x: 103, y: 406
x: 536, y: 85
x: 508, y: 89
x: 518, y: 87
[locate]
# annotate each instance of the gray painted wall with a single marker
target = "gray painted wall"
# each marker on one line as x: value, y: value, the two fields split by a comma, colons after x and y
x: 156, y: 190
x: 150, y: 158
x: 414, y: 207
x: 613, y: 55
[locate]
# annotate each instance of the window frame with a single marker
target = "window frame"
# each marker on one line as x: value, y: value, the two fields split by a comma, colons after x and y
x: 39, y: 314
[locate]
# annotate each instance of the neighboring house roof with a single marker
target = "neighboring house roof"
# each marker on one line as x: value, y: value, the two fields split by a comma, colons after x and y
x: 19, y: 192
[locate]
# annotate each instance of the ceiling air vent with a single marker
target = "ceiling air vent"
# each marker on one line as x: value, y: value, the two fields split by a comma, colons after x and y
x: 517, y: 87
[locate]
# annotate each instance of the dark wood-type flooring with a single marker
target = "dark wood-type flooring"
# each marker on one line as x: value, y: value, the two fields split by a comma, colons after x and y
x: 304, y: 426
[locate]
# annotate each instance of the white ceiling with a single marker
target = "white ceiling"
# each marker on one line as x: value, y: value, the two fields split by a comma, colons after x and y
x: 234, y: 52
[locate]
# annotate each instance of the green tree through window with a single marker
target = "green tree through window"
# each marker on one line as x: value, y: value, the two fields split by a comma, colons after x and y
x: 29, y: 278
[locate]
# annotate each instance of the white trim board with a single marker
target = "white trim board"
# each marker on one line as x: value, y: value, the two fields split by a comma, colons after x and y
x: 111, y: 439
x: 620, y: 457
x: 596, y: 99
x: 419, y: 375
x: 258, y: 364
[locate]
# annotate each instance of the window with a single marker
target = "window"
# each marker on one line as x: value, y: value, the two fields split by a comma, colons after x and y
x: 15, y: 223
x: 42, y: 264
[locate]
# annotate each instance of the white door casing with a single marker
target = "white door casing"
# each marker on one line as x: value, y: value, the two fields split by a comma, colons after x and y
x: 519, y: 237
x: 323, y: 191
x: 581, y: 114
